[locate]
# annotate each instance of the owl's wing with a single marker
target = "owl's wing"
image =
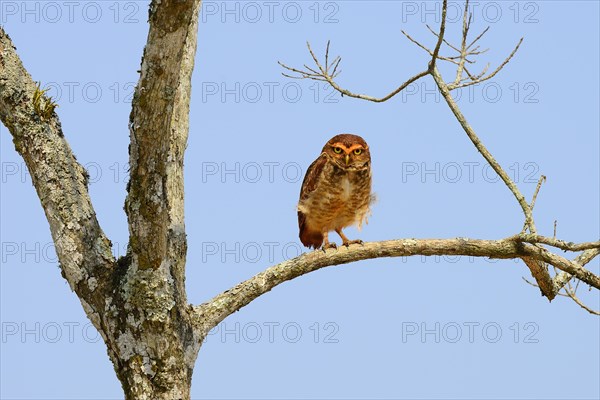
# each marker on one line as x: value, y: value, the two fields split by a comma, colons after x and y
x: 309, y: 184
x: 313, y: 172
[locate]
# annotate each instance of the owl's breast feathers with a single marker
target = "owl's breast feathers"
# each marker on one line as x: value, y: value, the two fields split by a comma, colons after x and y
x: 332, y: 198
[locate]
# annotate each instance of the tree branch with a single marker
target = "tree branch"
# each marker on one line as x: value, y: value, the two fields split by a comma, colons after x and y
x: 430, y: 52
x: 538, y: 267
x: 463, y: 46
x: 560, y: 244
x: 83, y: 250
x: 324, y: 76
x: 209, y: 314
x: 438, y: 45
x: 483, y: 150
x: 572, y: 294
x: 563, y: 278
x: 480, y: 78
x: 443, y: 40
x: 159, y: 125
x: 533, y: 199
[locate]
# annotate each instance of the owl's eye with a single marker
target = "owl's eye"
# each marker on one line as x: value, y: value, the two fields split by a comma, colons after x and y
x: 357, y: 151
x: 337, y: 150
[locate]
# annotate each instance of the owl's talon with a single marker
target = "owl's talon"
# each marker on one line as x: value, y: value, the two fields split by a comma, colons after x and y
x: 357, y: 241
x: 328, y: 246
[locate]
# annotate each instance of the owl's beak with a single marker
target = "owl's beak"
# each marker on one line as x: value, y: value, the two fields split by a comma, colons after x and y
x: 347, y: 158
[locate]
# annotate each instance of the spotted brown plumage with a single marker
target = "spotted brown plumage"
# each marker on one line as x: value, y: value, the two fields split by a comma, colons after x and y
x: 336, y: 191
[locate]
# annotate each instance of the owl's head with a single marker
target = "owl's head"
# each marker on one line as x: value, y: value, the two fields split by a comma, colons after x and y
x: 349, y: 152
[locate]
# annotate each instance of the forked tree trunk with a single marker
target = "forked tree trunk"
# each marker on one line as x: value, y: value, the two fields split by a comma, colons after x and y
x: 149, y: 333
x: 156, y: 347
x: 138, y: 303
x: 147, y: 327
x: 173, y: 383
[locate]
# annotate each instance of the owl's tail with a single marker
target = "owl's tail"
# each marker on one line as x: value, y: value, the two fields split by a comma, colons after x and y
x: 307, y: 237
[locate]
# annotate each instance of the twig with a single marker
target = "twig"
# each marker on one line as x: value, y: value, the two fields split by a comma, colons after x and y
x: 479, y: 37
x: 537, y: 190
x: 478, y: 76
x: 535, y: 194
x: 587, y: 256
x: 490, y: 76
x: 580, y: 303
x: 327, y: 56
x: 560, y: 244
x: 430, y: 52
x: 571, y: 293
x: 463, y: 45
x: 444, y: 40
x: 482, y: 149
x: 323, y: 75
x: 436, y: 50
x: 563, y: 277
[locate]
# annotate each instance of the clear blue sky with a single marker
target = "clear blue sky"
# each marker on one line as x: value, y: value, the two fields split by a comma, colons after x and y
x: 388, y: 328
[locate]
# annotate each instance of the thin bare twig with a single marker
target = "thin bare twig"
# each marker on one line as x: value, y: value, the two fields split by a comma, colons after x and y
x: 478, y: 76
x: 430, y: 52
x: 436, y: 50
x: 561, y: 279
x: 479, y: 37
x: 573, y: 267
x: 469, y: 52
x: 463, y: 44
x: 483, y: 150
x: 537, y: 190
x: 580, y: 303
x: 560, y: 244
x: 572, y: 294
x: 327, y: 56
x: 538, y: 269
x: 444, y: 40
x: 324, y: 75
x: 490, y: 76
x: 535, y: 194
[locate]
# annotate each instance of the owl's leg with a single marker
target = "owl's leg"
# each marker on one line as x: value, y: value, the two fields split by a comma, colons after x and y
x: 345, y: 241
x: 326, y: 244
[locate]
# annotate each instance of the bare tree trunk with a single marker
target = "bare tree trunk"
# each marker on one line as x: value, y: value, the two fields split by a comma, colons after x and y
x: 151, y: 342
x: 156, y: 343
x: 171, y: 380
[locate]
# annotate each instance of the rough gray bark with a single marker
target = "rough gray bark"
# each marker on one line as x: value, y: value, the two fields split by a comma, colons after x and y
x: 83, y: 250
x: 138, y: 303
x: 209, y: 314
x: 158, y: 344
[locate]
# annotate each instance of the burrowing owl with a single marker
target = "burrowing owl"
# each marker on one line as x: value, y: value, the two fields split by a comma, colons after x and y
x: 336, y: 191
